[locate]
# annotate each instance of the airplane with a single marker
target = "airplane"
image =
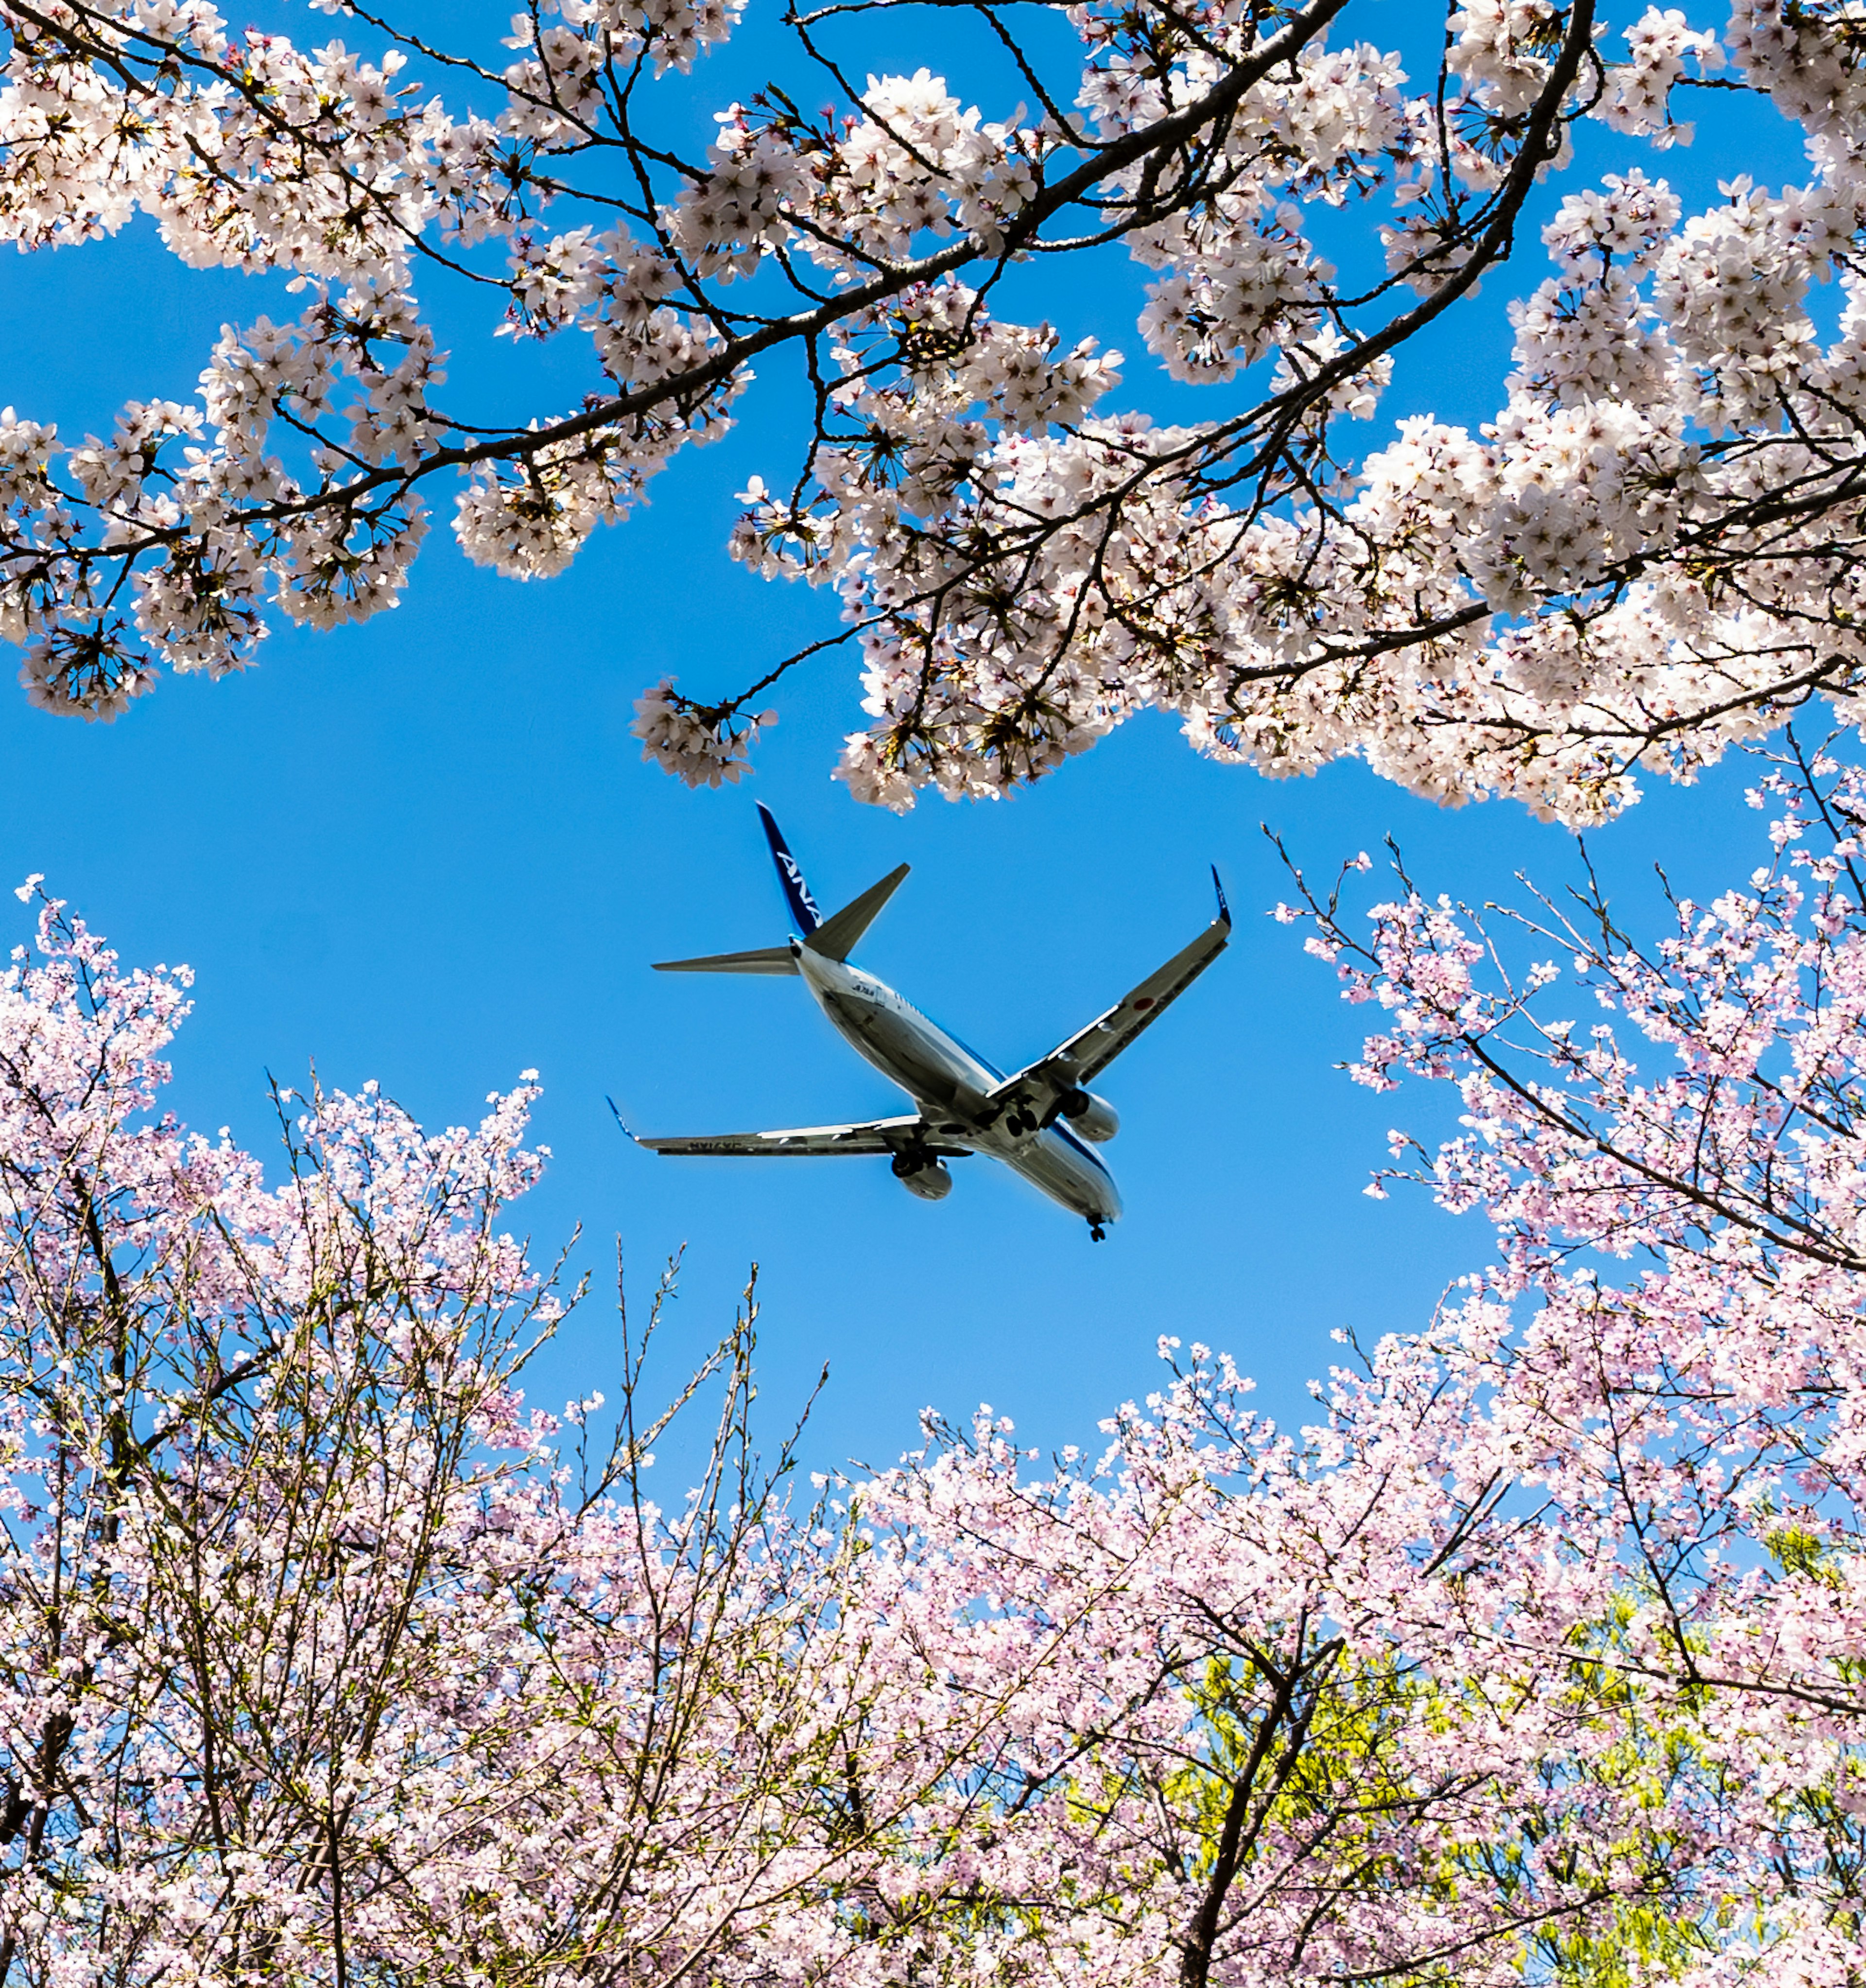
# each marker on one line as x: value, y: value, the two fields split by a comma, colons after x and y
x: 1042, y: 1121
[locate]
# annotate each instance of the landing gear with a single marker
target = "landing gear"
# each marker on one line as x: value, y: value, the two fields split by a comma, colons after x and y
x: 1097, y: 1233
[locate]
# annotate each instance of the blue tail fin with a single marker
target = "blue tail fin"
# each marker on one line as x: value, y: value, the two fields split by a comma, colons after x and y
x: 796, y: 891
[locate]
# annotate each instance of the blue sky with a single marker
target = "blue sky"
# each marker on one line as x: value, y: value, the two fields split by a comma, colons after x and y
x: 427, y: 850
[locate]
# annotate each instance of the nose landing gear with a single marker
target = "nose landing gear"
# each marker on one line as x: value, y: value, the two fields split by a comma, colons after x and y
x: 1097, y: 1233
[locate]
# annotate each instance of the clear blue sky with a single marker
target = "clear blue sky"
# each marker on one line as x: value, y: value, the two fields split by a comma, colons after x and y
x: 427, y: 850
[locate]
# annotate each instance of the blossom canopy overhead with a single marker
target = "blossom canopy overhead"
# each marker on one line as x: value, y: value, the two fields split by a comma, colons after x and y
x: 1652, y: 549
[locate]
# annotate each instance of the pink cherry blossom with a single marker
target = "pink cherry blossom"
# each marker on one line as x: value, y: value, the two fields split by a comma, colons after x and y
x: 1536, y: 1653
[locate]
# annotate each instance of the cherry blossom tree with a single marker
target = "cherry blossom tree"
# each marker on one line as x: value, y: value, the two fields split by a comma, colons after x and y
x: 1648, y: 552
x: 1676, y: 1188
x: 323, y: 1659
x: 318, y: 1661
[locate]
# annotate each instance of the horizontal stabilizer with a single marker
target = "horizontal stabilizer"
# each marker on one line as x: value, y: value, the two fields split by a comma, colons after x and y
x: 767, y: 959
x: 835, y: 938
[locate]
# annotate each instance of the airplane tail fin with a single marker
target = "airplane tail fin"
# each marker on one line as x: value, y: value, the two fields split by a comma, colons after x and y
x: 796, y: 891
x: 832, y: 938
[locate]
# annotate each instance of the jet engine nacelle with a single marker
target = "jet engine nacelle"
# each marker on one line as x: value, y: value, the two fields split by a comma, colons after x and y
x: 1093, y: 1118
x: 928, y: 1178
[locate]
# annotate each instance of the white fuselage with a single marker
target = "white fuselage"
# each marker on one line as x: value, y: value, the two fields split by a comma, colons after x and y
x: 952, y: 1086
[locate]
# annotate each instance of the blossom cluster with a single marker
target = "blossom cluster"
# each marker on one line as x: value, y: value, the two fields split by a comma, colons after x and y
x: 1528, y: 609
x: 1645, y: 555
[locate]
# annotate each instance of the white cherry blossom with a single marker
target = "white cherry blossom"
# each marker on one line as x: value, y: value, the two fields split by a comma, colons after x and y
x: 1645, y: 551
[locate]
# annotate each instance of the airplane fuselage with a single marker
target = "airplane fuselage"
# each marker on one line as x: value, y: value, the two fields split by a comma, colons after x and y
x: 952, y: 1086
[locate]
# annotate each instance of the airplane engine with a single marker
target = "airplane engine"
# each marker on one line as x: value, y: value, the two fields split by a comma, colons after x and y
x: 1093, y: 1118
x: 928, y: 1178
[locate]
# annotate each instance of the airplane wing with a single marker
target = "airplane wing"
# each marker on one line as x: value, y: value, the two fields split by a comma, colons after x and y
x: 877, y: 1136
x: 1039, y: 1086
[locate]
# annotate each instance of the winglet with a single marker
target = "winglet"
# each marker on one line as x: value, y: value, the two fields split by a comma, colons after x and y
x: 617, y: 1116
x: 796, y: 891
x: 1224, y: 910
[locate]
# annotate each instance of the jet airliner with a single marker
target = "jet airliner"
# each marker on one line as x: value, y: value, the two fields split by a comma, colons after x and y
x: 1042, y: 1121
